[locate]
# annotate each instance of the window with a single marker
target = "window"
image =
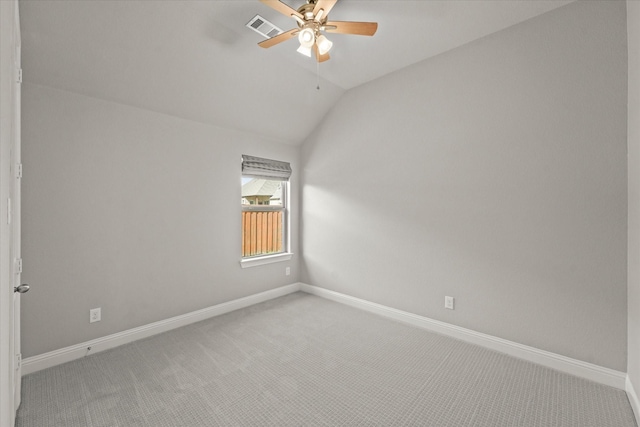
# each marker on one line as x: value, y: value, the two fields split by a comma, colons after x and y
x: 264, y: 211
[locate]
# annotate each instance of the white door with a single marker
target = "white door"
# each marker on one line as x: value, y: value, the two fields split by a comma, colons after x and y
x: 16, y: 173
x: 10, y: 82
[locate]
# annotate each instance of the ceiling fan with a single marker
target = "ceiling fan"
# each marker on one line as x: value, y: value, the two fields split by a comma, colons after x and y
x: 312, y: 21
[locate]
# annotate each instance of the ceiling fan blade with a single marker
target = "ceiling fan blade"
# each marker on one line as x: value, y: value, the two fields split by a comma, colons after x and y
x: 327, y: 5
x: 348, y: 27
x: 279, y: 38
x: 320, y: 58
x: 282, y: 8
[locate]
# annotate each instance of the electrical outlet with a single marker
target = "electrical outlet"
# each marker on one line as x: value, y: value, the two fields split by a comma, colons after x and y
x: 95, y: 315
x: 448, y: 302
x: 287, y: 271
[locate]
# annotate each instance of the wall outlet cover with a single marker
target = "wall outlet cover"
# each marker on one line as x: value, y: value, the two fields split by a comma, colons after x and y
x: 448, y: 302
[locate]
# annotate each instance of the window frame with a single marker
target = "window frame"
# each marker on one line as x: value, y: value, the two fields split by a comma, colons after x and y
x: 285, y: 255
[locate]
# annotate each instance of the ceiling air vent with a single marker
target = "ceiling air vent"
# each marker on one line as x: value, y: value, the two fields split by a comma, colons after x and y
x: 264, y: 27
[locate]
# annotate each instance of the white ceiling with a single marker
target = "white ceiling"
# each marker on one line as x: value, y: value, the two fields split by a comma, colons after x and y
x: 198, y: 61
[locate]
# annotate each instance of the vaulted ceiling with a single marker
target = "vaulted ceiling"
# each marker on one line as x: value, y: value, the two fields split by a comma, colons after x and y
x: 197, y: 59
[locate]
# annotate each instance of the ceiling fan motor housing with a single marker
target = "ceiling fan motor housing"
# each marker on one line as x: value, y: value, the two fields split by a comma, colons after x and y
x: 309, y: 18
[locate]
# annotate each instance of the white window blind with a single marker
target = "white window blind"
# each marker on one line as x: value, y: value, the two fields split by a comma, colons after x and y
x: 265, y: 168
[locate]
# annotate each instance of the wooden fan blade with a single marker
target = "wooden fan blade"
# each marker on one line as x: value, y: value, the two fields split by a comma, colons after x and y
x: 347, y: 27
x: 282, y: 8
x: 327, y: 5
x: 320, y: 58
x: 279, y: 38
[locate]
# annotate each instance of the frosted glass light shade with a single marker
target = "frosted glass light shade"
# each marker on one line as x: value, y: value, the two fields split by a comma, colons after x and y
x: 324, y: 45
x: 306, y: 37
x: 306, y: 51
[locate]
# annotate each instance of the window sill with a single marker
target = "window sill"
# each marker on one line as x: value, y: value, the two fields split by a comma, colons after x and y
x: 263, y: 260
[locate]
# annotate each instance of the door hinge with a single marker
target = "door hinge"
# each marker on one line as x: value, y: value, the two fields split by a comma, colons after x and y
x: 18, y: 360
x: 9, y: 211
x: 19, y: 75
x: 18, y: 265
x: 19, y: 171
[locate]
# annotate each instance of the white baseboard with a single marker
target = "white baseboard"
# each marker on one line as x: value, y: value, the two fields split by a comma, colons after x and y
x: 555, y: 361
x: 633, y: 399
x: 67, y: 354
x: 558, y: 362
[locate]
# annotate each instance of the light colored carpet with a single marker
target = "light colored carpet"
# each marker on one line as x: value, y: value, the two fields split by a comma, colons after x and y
x: 301, y: 360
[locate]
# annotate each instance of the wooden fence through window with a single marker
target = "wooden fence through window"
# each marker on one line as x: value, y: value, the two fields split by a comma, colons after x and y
x: 261, y: 233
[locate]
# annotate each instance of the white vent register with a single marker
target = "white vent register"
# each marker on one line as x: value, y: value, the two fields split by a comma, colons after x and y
x: 263, y: 27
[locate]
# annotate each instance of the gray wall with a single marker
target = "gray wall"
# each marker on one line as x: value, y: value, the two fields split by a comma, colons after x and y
x: 132, y: 211
x: 633, y: 29
x: 494, y: 173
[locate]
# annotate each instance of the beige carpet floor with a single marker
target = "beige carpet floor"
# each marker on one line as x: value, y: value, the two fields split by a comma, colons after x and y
x: 301, y: 360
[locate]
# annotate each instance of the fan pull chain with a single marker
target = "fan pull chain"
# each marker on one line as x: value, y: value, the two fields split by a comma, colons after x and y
x: 318, y: 75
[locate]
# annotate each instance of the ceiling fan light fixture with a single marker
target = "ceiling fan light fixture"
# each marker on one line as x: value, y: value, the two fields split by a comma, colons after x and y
x: 306, y: 51
x: 306, y: 37
x: 312, y: 19
x: 324, y: 45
